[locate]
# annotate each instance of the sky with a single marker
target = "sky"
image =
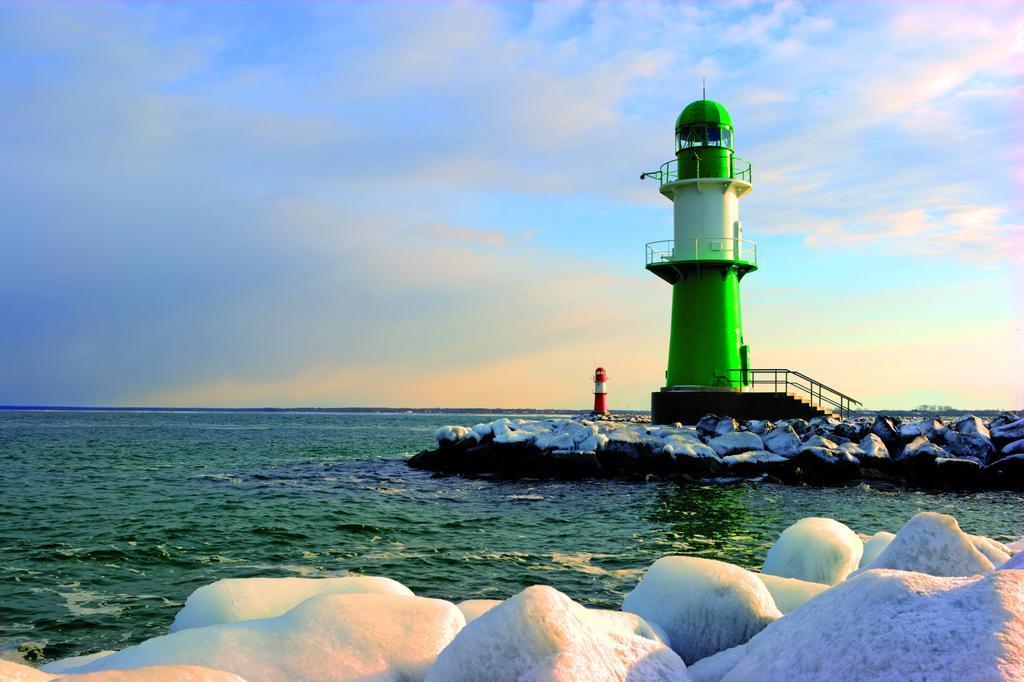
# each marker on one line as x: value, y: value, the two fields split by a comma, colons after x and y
x: 439, y: 204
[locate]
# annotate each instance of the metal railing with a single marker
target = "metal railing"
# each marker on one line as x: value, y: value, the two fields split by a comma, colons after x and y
x: 669, y: 172
x: 784, y: 380
x: 701, y: 249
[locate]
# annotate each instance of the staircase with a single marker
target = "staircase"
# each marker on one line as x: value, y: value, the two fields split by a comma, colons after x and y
x: 816, y: 397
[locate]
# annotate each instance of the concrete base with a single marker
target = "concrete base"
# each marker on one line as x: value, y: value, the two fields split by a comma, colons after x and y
x: 668, y: 406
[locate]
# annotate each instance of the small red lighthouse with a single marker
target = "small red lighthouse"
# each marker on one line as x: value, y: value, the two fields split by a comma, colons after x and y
x: 600, y: 393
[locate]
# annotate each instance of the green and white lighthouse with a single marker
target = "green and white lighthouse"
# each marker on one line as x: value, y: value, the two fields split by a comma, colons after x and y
x: 708, y: 257
x: 709, y: 366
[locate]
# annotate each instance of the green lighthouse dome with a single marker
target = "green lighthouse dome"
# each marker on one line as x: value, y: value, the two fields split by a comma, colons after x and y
x: 704, y: 111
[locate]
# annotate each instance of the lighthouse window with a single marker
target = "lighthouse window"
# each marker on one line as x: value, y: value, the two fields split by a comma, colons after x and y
x: 714, y: 136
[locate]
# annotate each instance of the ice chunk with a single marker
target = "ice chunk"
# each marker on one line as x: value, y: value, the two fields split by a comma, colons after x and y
x: 715, y: 668
x: 874, y: 546
x: 736, y: 442
x: 234, y: 599
x: 815, y: 549
x: 474, y: 608
x: 704, y: 606
x: 541, y: 634
x: 789, y: 593
x: 934, y: 544
x: 996, y: 552
x: 335, y: 636
x: 895, y: 625
x: 633, y: 623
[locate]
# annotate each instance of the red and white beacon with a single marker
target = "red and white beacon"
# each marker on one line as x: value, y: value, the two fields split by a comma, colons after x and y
x: 600, y: 393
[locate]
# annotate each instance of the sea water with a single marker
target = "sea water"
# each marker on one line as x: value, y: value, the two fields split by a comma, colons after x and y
x: 108, y: 520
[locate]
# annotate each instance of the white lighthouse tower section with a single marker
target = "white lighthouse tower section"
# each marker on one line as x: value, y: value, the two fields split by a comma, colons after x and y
x: 707, y: 218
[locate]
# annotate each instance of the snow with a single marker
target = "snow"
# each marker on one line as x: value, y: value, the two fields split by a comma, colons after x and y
x: 157, y: 673
x: 815, y: 549
x: 782, y: 440
x: 789, y: 593
x: 874, y: 546
x: 16, y: 672
x: 994, y: 551
x: 334, y: 636
x: 1014, y: 448
x: 1016, y: 562
x: 715, y: 668
x: 235, y: 599
x: 736, y: 442
x: 542, y: 635
x: 934, y: 544
x: 474, y: 608
x: 633, y: 623
x: 704, y: 606
x: 64, y: 664
x: 895, y: 625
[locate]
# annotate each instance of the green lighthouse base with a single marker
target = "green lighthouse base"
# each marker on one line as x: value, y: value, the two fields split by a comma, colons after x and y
x: 669, y: 406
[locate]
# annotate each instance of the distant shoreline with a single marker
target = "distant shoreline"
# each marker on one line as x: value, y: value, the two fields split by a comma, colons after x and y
x: 427, y: 410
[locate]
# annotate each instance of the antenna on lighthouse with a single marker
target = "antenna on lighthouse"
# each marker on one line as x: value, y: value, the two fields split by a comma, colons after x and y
x: 703, y: 88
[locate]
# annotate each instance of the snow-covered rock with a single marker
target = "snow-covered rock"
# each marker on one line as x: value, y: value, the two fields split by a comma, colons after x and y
x: 1016, y: 562
x: 873, y: 448
x: 736, y: 442
x: 754, y: 461
x: 704, y: 606
x: 895, y: 625
x: 934, y: 544
x: 874, y: 546
x: 782, y: 440
x: 816, y: 550
x: 474, y: 608
x: 789, y: 593
x: 451, y: 434
x: 541, y: 634
x: 820, y: 442
x: 1009, y: 432
x: 932, y: 429
x: 633, y: 623
x: 235, y: 599
x: 715, y: 668
x: 336, y: 637
x: 887, y: 429
x: 1014, y: 448
x: 921, y: 450
x: 758, y: 426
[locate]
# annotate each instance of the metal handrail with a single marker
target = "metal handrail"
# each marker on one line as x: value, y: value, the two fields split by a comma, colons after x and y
x: 669, y: 172
x: 701, y: 249
x: 820, y: 394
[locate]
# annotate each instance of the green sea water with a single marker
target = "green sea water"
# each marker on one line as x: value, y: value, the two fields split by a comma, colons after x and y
x: 109, y: 520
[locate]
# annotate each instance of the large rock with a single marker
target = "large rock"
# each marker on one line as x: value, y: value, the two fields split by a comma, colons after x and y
x: 704, y: 606
x: 887, y: 429
x: 958, y: 473
x: 892, y: 625
x: 994, y: 551
x: 758, y: 426
x: 782, y: 440
x: 820, y: 442
x: 541, y: 634
x: 715, y: 668
x: 336, y: 637
x: 822, y: 465
x: 235, y: 599
x: 853, y: 430
x: 934, y: 544
x: 711, y: 425
x: 736, y: 442
x: 1007, y: 472
x: 932, y: 429
x: 1014, y: 448
x: 474, y: 608
x: 755, y: 463
x: 1009, y: 432
x: 874, y: 450
x: 816, y: 550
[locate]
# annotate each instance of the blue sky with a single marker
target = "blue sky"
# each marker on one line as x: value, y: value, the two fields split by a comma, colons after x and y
x: 439, y: 203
